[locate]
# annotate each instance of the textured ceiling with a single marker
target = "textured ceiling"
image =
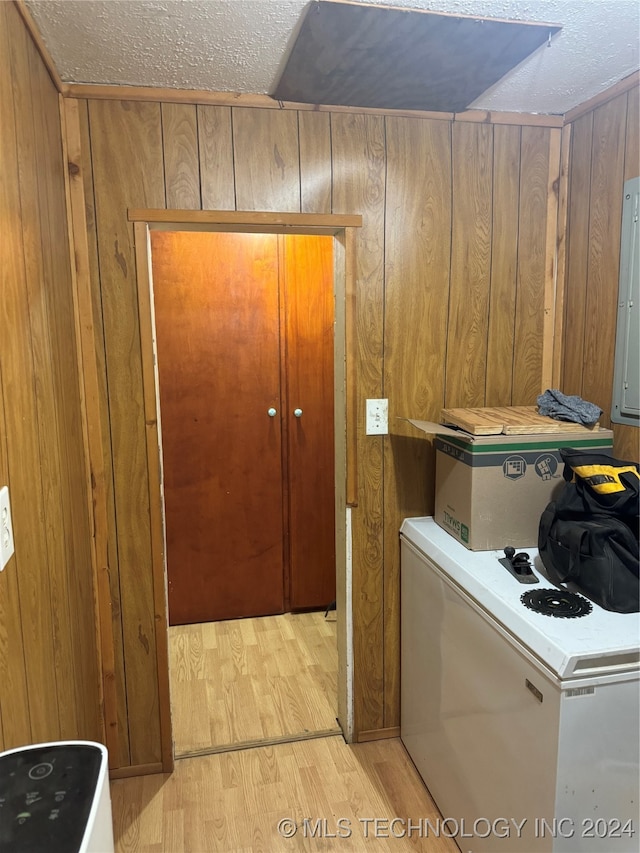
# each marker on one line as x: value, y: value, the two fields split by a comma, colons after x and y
x: 242, y: 45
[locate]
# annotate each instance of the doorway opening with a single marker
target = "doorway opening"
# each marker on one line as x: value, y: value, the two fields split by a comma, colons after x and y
x: 213, y: 665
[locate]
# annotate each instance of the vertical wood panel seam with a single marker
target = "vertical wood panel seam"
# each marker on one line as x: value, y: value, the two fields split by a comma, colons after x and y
x: 198, y: 153
x: 492, y: 160
x: 588, y: 253
x: 232, y: 113
x: 445, y: 354
x: 299, y: 161
x: 517, y: 262
x: 164, y: 158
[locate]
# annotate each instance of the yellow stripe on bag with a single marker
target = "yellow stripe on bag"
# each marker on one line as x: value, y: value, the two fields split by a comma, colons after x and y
x: 604, y: 479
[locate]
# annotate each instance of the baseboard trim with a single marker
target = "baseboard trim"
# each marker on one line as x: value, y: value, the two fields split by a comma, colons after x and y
x: 378, y: 734
x: 135, y: 770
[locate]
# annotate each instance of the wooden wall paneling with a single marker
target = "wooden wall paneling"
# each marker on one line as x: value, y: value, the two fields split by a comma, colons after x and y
x: 76, y: 159
x: 504, y: 256
x: 577, y: 255
x: 120, y: 755
x: 359, y: 163
x: 605, y: 219
x: 181, y: 163
x: 126, y: 146
x: 550, y: 261
x: 20, y: 378
x: 417, y: 251
x: 215, y: 146
x: 561, y: 256
x: 532, y: 266
x: 472, y: 169
x: 15, y: 726
x: 69, y: 534
x: 314, y: 130
x: 266, y: 157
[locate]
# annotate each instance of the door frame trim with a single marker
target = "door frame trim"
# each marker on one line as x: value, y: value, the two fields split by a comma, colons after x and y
x: 342, y: 229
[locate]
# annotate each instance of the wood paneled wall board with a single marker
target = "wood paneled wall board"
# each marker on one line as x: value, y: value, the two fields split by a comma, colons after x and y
x: 417, y: 251
x: 181, y: 163
x: 599, y: 165
x: 87, y: 349
x: 19, y: 371
x: 607, y: 174
x: 121, y: 755
x: 577, y: 255
x: 75, y: 591
x: 504, y: 254
x: 550, y: 264
x: 314, y: 130
x: 126, y: 145
x: 472, y: 171
x: 561, y: 257
x: 215, y: 146
x: 267, y: 160
x: 358, y: 176
x: 532, y: 266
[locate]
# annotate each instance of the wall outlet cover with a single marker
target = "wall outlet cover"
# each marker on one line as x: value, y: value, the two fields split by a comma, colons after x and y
x: 6, y: 528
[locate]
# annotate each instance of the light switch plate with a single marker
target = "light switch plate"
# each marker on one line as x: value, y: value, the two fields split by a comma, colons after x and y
x: 377, y: 417
x: 6, y: 528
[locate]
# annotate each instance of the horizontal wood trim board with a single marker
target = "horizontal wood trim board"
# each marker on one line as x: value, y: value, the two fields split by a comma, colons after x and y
x: 238, y: 99
x: 135, y: 770
x: 619, y: 88
x: 326, y: 221
x: 379, y: 734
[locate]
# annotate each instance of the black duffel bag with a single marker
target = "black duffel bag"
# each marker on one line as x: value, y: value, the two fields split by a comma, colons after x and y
x: 588, y: 536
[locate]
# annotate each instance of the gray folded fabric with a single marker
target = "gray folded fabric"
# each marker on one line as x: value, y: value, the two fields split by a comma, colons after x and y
x: 555, y: 404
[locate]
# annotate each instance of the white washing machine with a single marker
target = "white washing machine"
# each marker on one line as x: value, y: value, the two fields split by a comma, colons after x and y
x: 55, y: 797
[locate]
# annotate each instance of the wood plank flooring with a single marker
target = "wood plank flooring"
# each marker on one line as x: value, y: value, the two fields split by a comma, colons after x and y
x: 249, y: 681
x: 327, y: 793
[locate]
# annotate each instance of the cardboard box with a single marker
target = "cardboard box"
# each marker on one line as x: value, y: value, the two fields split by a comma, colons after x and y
x: 491, y: 490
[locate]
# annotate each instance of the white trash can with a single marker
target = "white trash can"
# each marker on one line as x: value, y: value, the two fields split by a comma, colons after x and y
x: 55, y: 797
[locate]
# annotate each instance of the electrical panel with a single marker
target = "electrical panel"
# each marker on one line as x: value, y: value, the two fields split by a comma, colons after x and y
x: 625, y: 407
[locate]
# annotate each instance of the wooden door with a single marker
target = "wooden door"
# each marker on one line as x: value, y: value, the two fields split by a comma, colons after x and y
x: 309, y: 311
x: 217, y: 332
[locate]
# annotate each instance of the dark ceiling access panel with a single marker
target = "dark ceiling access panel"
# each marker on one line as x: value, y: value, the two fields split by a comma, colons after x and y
x: 354, y: 55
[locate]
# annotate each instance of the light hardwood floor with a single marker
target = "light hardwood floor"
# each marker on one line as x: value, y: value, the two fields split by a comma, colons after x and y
x: 327, y: 793
x: 250, y: 681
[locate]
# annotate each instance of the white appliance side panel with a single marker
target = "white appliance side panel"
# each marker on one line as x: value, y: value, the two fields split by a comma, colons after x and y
x: 483, y: 742
x: 598, y: 788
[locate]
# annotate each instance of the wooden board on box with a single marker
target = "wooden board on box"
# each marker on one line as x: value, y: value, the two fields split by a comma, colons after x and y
x: 508, y: 420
